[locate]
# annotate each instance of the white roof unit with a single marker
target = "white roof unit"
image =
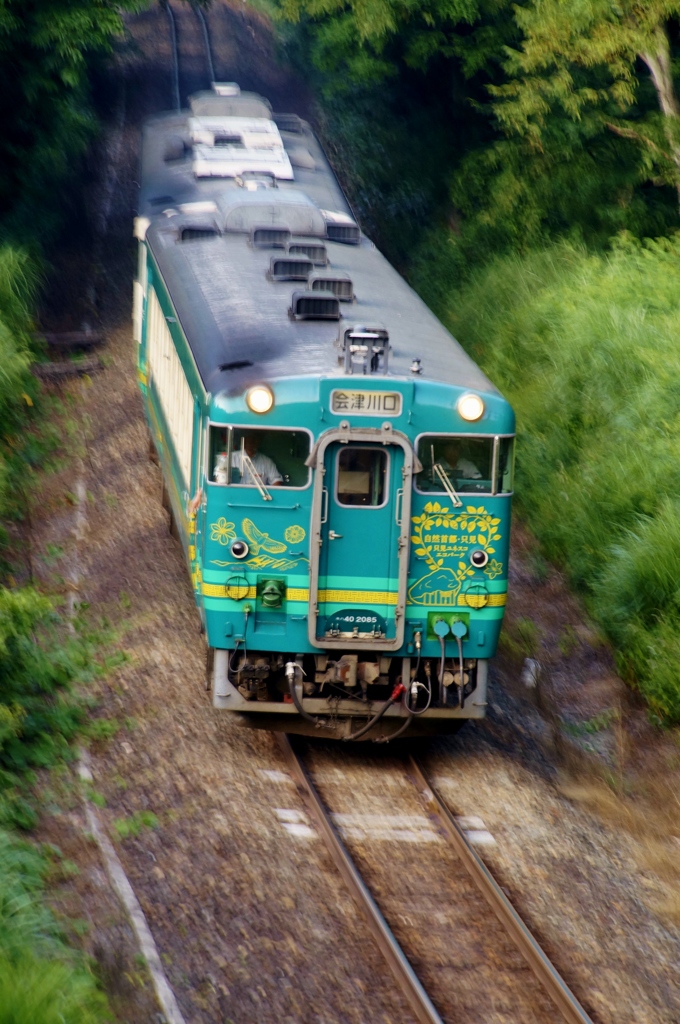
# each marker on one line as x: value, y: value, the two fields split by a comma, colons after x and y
x: 250, y: 132
x: 225, y: 147
x: 226, y: 88
x: 232, y: 161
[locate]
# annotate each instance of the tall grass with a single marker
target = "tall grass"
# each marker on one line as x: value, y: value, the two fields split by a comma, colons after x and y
x: 587, y: 348
x: 41, y: 980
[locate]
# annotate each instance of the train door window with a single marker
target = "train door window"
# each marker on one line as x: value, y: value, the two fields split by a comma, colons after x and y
x: 506, y: 465
x: 466, y: 463
x: 278, y: 456
x: 361, y: 477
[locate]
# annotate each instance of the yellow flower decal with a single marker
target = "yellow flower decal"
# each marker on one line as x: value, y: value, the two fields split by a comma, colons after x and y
x: 472, y: 518
x: 493, y: 569
x: 222, y: 531
x: 294, y: 534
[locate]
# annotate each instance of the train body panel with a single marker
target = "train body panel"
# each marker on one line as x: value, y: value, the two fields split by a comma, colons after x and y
x: 347, y: 544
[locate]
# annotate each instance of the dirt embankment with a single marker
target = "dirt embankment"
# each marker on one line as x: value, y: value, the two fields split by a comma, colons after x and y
x: 251, y: 921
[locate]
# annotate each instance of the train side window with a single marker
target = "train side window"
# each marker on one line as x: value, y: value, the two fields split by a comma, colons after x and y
x: 361, y: 476
x: 466, y: 462
x: 278, y: 456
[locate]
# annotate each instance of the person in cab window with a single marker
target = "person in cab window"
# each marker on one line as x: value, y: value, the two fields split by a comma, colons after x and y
x: 265, y: 467
x: 454, y: 464
x: 448, y: 455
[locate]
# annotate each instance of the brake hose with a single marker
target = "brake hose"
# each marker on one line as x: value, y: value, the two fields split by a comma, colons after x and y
x: 442, y: 688
x: 402, y: 728
x: 461, y: 687
x: 393, y: 698
x: 291, y: 668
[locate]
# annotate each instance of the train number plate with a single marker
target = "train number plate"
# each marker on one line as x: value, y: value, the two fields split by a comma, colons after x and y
x: 355, y: 622
x: 366, y: 403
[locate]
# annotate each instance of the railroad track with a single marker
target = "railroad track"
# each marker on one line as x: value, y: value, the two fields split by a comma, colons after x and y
x: 454, y: 943
x: 192, y: 59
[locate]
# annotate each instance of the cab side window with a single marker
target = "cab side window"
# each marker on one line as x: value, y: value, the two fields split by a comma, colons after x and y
x: 239, y: 456
x: 465, y: 462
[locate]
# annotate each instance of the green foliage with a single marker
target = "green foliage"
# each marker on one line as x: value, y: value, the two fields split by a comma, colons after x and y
x: 510, y: 123
x: 136, y: 823
x: 41, y: 980
x: 355, y: 43
x: 580, y: 57
x: 46, y: 50
x: 584, y: 346
x: 37, y: 672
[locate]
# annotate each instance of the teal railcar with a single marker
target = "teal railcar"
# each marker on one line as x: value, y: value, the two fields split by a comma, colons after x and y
x: 338, y: 470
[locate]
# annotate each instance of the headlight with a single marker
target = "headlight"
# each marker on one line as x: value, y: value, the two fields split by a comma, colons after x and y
x: 470, y: 407
x: 260, y: 399
x: 239, y: 549
x: 478, y: 558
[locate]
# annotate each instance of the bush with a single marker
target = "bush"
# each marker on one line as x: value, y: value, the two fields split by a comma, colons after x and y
x: 41, y: 980
x: 37, y: 672
x: 585, y: 347
x: 36, y: 992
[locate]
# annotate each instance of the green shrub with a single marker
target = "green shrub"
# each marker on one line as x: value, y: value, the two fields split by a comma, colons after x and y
x: 585, y: 347
x: 42, y: 981
x: 37, y: 992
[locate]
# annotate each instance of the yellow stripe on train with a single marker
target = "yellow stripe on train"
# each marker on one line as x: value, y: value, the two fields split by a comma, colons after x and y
x: 349, y: 596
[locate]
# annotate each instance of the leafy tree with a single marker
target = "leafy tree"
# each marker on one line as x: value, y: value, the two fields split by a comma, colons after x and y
x: 359, y: 42
x: 584, y: 58
x: 46, y: 48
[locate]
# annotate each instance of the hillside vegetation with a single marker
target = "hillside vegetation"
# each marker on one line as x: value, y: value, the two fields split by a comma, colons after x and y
x: 515, y: 161
x: 585, y: 346
x: 50, y: 55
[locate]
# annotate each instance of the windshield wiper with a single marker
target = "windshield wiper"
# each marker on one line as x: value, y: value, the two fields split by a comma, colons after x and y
x: 448, y: 486
x: 247, y: 462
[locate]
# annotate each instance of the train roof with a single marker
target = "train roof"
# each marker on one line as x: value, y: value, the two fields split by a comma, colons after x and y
x: 268, y: 204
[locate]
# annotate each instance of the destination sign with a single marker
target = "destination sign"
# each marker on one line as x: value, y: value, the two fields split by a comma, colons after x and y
x: 366, y: 403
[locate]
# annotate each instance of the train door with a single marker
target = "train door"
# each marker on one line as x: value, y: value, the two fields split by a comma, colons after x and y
x: 358, y: 581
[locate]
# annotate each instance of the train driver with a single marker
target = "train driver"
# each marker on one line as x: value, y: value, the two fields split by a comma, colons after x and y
x: 265, y: 467
x: 454, y: 464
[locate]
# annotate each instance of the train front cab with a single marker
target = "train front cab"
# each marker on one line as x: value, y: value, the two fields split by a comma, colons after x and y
x: 358, y: 569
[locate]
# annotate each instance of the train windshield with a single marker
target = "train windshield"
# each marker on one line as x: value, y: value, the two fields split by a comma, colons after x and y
x: 465, y: 464
x: 242, y: 456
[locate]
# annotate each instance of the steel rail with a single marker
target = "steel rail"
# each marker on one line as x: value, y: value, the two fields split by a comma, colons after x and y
x: 206, y: 36
x: 175, y: 56
x: 404, y: 974
x: 539, y: 963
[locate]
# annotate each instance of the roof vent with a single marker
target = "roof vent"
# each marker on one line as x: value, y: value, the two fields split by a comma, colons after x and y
x: 314, y: 251
x: 289, y: 123
x: 227, y: 139
x: 365, y: 348
x: 226, y: 88
x: 290, y: 268
x: 195, y: 234
x: 315, y: 306
x: 340, y: 284
x: 270, y: 238
x: 349, y: 234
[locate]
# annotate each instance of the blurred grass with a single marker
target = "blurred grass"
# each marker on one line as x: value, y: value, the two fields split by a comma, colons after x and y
x: 42, y: 981
x: 585, y: 346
